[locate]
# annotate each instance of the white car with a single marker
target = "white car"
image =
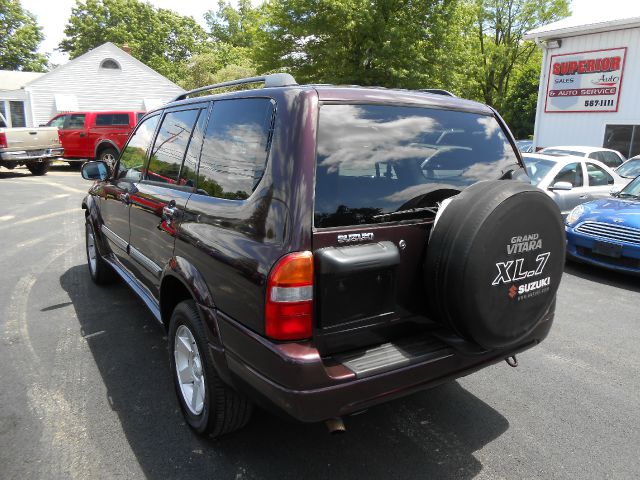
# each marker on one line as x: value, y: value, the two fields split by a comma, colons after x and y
x: 611, y: 158
x: 571, y: 180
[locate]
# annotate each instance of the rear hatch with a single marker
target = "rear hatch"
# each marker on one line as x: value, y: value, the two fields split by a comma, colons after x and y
x: 381, y: 173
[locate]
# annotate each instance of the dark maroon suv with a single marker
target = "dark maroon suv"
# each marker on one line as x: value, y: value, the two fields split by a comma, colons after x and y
x: 318, y: 250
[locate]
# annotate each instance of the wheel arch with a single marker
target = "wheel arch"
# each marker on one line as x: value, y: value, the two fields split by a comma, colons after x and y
x: 103, y: 144
x: 183, y: 281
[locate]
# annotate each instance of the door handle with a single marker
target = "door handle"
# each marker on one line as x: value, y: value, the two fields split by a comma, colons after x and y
x: 33, y: 133
x: 124, y: 198
x: 584, y: 196
x: 82, y: 135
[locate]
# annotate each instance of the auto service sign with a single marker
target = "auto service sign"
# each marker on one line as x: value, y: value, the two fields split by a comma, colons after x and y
x: 585, y: 81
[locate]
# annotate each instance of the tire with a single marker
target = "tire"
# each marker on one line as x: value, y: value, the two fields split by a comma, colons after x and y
x: 109, y: 156
x: 494, y: 262
x: 100, y: 271
x: 39, y: 168
x: 221, y: 410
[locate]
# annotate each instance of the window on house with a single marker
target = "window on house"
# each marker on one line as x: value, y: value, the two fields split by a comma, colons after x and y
x: 18, y: 118
x: 110, y: 64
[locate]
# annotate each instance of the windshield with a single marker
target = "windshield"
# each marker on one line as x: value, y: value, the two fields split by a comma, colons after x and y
x: 537, y: 168
x: 632, y: 189
x: 379, y: 163
x: 629, y: 169
x: 560, y: 152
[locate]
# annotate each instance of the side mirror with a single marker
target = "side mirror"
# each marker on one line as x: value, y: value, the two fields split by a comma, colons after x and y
x: 561, y: 186
x: 95, y: 171
x: 616, y: 189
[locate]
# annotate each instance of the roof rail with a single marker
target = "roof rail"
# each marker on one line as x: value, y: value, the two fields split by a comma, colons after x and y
x: 272, y: 80
x: 437, y: 91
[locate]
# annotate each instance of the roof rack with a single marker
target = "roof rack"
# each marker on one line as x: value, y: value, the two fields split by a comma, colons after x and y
x: 437, y: 91
x: 272, y: 80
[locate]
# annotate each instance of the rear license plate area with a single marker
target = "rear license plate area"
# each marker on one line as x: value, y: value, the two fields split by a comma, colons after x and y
x: 355, y: 283
x: 607, y: 249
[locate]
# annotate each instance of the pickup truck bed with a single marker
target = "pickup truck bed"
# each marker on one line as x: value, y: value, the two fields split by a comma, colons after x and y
x: 32, y: 147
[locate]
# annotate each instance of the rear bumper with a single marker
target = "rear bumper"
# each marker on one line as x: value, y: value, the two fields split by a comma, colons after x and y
x: 30, y: 156
x: 295, y: 380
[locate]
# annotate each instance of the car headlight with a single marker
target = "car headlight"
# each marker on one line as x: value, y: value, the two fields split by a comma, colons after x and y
x: 575, y: 215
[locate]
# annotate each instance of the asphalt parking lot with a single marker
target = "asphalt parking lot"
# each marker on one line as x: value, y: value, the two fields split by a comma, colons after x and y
x: 86, y: 391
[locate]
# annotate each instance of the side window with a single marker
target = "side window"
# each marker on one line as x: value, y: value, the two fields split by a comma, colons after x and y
x: 108, y: 119
x: 610, y: 159
x: 236, y: 147
x: 57, y: 122
x: 598, y: 177
x: 74, y: 121
x: 139, y: 116
x: 571, y: 173
x: 134, y: 155
x: 170, y: 146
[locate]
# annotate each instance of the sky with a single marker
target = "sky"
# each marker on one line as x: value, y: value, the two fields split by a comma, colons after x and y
x: 52, y: 15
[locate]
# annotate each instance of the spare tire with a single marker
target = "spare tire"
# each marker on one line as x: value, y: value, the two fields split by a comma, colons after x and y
x: 494, y: 262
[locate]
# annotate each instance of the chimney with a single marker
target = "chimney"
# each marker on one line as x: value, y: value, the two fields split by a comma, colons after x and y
x: 126, y: 48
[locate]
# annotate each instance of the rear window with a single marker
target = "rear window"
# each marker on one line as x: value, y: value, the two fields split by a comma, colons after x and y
x: 378, y: 163
x: 561, y: 152
x: 108, y: 119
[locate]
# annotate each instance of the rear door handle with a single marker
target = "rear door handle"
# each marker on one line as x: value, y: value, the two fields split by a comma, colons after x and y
x: 586, y: 195
x: 82, y: 135
x: 33, y: 133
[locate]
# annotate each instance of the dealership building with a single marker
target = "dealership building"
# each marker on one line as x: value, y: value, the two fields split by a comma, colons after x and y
x: 588, y: 92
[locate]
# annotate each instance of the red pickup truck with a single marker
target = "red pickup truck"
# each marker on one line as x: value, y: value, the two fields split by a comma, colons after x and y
x: 94, y: 135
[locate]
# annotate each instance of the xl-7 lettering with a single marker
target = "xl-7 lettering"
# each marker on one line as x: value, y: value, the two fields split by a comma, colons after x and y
x: 511, y: 271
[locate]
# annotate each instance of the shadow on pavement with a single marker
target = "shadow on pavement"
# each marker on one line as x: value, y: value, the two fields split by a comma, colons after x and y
x: 603, y: 275
x: 432, y: 434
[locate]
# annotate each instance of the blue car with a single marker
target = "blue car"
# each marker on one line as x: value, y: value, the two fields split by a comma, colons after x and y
x: 606, y: 232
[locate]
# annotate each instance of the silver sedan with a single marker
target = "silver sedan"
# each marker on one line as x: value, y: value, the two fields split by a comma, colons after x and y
x: 571, y: 180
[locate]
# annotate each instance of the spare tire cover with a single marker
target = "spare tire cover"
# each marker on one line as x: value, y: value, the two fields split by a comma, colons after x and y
x: 494, y: 262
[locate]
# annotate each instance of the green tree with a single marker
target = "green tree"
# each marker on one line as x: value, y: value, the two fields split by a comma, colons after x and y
x: 519, y: 110
x: 20, y: 39
x: 499, y: 48
x: 160, y: 38
x: 222, y: 62
x: 394, y: 43
x: 239, y: 26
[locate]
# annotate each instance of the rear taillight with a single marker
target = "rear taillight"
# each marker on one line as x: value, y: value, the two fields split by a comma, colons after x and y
x: 289, y: 302
x: 3, y: 140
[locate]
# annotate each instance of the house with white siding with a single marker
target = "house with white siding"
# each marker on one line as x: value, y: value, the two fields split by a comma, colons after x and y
x: 588, y: 93
x: 105, y: 78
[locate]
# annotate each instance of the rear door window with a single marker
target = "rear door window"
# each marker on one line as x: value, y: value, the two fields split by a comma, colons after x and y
x: 236, y: 147
x: 598, y: 177
x: 170, y: 146
x: 611, y: 159
x: 378, y: 163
